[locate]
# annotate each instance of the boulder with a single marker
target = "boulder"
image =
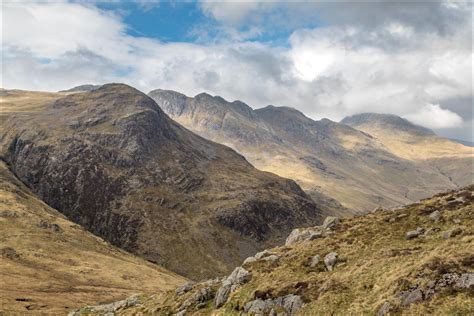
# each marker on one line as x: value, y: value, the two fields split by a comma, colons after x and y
x: 465, y: 281
x: 291, y: 303
x: 410, y: 297
x: 384, y: 309
x: 271, y: 258
x: 451, y: 233
x: 436, y: 216
x: 237, y: 277
x: 222, y: 294
x: 199, y: 296
x: 184, y: 288
x: 302, y: 234
x: 330, y: 221
x: 414, y: 233
x: 258, y: 307
x: 330, y: 260
x: 314, y: 261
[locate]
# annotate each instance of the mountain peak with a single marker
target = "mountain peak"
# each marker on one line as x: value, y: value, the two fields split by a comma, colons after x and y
x: 387, y: 121
x: 82, y: 88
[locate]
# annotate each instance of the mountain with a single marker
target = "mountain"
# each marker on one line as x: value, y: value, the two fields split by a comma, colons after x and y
x: 463, y: 142
x: 414, y: 260
x: 50, y: 265
x: 114, y: 163
x: 82, y: 88
x: 329, y: 160
x: 418, y: 145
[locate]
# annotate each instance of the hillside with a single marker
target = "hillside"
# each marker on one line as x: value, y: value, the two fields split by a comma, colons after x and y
x: 51, y: 265
x: 418, y: 145
x: 414, y: 260
x: 333, y: 162
x: 114, y: 163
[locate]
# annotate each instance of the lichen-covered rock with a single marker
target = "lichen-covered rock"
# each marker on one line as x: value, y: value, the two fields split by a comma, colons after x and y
x: 301, y: 234
x: 314, y: 261
x: 109, y: 309
x: 184, y: 288
x: 410, y: 297
x: 330, y: 221
x: 199, y: 296
x: 238, y: 277
x: 290, y: 303
x: 435, y: 216
x: 330, y: 260
x: 414, y: 233
x: 384, y: 309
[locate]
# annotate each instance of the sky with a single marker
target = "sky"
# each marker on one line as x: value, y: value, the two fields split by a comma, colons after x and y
x: 326, y: 59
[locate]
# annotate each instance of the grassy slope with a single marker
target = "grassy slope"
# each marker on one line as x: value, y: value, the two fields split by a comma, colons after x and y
x: 376, y: 263
x: 50, y: 270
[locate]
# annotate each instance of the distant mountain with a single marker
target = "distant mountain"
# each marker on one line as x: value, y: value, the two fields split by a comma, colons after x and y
x: 328, y: 159
x: 113, y: 162
x: 50, y: 265
x: 463, y: 142
x: 387, y: 121
x: 83, y: 88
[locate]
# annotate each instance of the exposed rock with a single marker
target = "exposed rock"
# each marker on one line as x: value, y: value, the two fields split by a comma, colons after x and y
x: 184, y: 288
x: 181, y: 313
x: 110, y: 309
x: 436, y: 216
x: 466, y: 281
x: 271, y: 258
x: 330, y: 222
x: 384, y: 309
x: 330, y: 260
x: 290, y: 303
x: 314, y: 261
x: 249, y: 260
x: 414, y: 233
x: 199, y: 296
x: 263, y: 254
x: 451, y: 233
x: 410, y: 297
x: 237, y: 277
x: 302, y: 234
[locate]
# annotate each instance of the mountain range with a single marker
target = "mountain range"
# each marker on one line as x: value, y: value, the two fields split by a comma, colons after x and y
x: 361, y: 163
x: 107, y: 192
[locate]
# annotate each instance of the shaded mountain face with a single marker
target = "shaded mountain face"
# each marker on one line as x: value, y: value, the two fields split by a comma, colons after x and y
x: 50, y: 265
x: 328, y: 159
x: 112, y: 161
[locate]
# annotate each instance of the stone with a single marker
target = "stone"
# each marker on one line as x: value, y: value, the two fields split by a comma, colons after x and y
x: 239, y: 276
x: 262, y: 254
x: 222, y: 294
x: 271, y: 258
x: 436, y: 216
x: 9, y: 253
x: 414, y: 233
x: 330, y: 221
x: 258, y: 306
x: 451, y: 233
x: 330, y: 260
x: 291, y: 303
x: 410, y: 297
x: 302, y: 234
x: 465, y: 281
x: 384, y: 309
x: 200, y: 296
x: 249, y: 260
x: 314, y: 261
x: 184, y: 288
x: 181, y: 313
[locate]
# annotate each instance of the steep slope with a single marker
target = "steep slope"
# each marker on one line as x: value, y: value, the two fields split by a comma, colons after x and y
x: 50, y: 265
x: 113, y: 162
x: 415, y: 260
x: 326, y: 158
x: 418, y: 144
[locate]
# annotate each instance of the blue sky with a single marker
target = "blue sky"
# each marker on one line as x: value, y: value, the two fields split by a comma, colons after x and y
x: 327, y: 59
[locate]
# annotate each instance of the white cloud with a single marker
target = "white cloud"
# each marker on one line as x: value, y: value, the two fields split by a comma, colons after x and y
x: 331, y: 71
x: 433, y: 116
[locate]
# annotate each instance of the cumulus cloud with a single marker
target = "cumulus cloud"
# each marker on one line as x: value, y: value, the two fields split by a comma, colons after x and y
x: 358, y: 58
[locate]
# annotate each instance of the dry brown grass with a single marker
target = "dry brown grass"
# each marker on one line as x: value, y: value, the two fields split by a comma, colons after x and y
x: 50, y: 265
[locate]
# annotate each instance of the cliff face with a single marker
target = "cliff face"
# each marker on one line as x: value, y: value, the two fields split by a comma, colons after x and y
x: 112, y: 161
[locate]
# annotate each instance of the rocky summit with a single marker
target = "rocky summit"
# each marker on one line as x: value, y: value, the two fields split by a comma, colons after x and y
x: 363, y: 265
x: 112, y: 161
x: 349, y: 169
